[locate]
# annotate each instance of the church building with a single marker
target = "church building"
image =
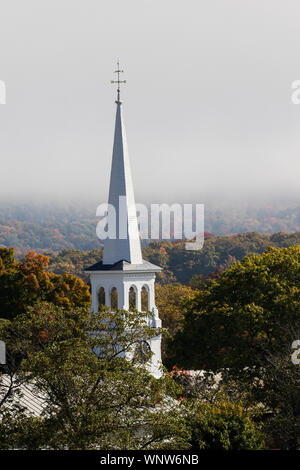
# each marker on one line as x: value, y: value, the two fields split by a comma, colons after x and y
x: 123, y: 280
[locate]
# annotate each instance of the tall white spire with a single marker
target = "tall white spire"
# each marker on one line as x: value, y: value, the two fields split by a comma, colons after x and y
x: 126, y: 246
x: 123, y: 273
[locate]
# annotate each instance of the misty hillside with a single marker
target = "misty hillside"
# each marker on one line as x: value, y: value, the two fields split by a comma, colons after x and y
x: 53, y: 229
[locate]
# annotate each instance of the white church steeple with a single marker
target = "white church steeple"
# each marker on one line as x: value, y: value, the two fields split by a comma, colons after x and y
x: 123, y: 280
x: 126, y: 246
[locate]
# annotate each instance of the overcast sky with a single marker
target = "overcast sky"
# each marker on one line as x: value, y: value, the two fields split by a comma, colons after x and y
x: 207, y: 103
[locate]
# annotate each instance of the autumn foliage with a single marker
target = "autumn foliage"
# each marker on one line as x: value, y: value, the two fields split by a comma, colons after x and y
x: 23, y: 283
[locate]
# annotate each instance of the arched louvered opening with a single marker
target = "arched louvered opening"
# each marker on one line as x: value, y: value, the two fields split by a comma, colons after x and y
x: 145, y: 298
x: 132, y: 298
x: 114, y: 298
x: 101, y: 297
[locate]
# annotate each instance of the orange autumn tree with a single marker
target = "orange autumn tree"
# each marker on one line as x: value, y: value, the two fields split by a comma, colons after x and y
x: 23, y: 283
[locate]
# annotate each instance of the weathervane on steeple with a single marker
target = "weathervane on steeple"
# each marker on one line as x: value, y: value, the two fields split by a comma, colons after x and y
x: 118, y: 71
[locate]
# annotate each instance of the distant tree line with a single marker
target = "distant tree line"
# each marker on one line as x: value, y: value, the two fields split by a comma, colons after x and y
x: 179, y: 265
x: 48, y: 228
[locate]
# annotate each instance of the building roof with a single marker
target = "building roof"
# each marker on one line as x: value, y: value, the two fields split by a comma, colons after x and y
x: 123, y: 265
x: 26, y: 397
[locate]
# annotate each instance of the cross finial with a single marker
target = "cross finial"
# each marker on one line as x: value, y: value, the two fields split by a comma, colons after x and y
x: 118, y: 71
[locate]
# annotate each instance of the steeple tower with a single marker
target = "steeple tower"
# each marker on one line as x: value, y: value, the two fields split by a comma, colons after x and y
x: 123, y: 280
x: 126, y: 246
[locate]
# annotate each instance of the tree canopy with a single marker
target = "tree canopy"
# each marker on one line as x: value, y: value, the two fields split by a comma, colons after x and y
x: 26, y: 282
x: 234, y: 318
x: 181, y: 266
x: 94, y: 396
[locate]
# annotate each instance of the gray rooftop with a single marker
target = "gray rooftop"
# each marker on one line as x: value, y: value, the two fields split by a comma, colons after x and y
x: 123, y: 265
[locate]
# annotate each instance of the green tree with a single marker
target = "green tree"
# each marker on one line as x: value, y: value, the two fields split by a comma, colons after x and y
x: 94, y: 397
x: 219, y: 412
x: 277, y: 386
x: 223, y: 426
x: 168, y: 299
x: 234, y: 318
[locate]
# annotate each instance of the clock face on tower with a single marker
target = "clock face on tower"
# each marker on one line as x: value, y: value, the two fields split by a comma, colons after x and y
x: 143, y: 350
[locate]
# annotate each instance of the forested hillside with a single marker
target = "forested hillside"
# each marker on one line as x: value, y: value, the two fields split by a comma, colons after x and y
x: 242, y: 324
x: 48, y: 228
x: 181, y: 265
x: 42, y: 229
